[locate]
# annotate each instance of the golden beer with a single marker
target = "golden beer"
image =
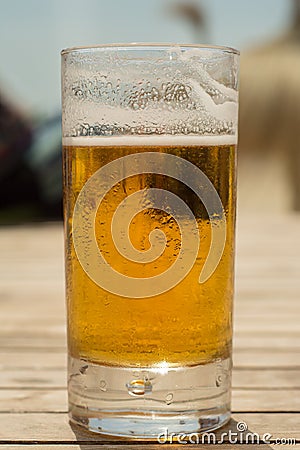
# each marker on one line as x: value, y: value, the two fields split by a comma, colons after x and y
x: 191, y: 323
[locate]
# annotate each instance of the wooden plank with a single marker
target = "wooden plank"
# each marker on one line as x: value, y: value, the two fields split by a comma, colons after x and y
x: 39, y: 341
x: 243, y: 342
x: 20, y: 329
x: 57, y: 379
x: 262, y: 379
x: 37, y: 295
x: 38, y: 359
x: 141, y: 446
x: 276, y: 400
x: 267, y: 296
x: 33, y: 360
x: 103, y: 446
x: 55, y: 400
x: 17, y: 239
x: 39, y: 325
x: 265, y: 359
x: 34, y: 295
x: 266, y: 305
x: 33, y: 400
x: 266, y: 292
x: 23, y: 237
x: 37, y: 379
x: 49, y: 428
x: 52, y: 287
x: 265, y: 326
x: 55, y: 324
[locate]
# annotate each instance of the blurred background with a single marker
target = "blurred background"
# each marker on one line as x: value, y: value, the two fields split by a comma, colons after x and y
x: 32, y: 34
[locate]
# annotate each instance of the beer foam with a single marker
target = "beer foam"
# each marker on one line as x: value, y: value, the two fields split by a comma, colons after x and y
x: 182, y: 92
x: 150, y: 141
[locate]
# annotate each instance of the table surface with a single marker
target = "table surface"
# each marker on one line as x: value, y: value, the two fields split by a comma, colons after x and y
x: 266, y: 374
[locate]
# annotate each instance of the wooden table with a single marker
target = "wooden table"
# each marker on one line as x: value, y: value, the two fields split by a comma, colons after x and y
x: 266, y: 376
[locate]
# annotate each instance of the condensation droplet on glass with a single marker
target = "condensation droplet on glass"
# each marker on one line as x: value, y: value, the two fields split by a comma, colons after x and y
x: 169, y: 398
x: 83, y: 369
x: 102, y: 385
x: 219, y: 380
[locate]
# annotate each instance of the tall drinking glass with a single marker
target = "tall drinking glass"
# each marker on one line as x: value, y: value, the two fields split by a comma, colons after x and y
x: 149, y: 150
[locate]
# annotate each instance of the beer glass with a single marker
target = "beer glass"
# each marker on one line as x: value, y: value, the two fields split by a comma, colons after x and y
x: 149, y: 151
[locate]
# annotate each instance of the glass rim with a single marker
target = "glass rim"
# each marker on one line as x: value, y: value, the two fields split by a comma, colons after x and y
x: 150, y: 45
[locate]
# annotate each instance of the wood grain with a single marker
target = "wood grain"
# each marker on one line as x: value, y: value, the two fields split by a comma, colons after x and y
x: 49, y: 426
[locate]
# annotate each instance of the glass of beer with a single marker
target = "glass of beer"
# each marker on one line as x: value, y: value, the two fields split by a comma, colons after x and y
x: 149, y: 151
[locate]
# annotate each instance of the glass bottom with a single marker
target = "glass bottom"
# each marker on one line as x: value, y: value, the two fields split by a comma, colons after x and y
x: 156, y: 403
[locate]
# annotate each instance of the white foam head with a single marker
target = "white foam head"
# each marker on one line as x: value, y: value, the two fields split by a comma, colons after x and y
x: 149, y: 141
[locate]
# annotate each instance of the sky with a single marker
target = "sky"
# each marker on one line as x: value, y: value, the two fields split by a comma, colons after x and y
x: 32, y: 33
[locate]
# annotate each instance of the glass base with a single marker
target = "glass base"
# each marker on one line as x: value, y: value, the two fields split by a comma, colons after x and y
x: 149, y: 403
